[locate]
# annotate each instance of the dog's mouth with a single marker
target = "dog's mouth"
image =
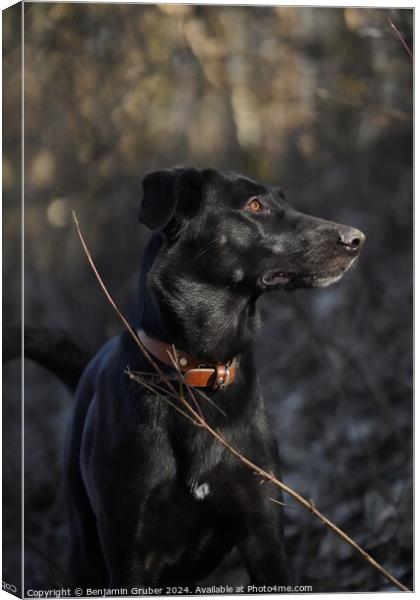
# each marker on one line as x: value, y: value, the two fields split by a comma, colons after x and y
x: 291, y: 280
x: 276, y: 278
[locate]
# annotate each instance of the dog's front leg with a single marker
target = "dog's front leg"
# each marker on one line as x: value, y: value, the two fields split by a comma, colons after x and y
x: 261, y: 542
x: 131, y: 524
x: 139, y: 562
x: 130, y: 573
x: 127, y: 565
x: 264, y: 559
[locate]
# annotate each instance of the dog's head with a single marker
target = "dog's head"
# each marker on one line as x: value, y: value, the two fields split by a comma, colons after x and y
x: 231, y: 230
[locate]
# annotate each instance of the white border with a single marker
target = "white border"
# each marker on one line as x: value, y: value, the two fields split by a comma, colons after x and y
x: 338, y: 3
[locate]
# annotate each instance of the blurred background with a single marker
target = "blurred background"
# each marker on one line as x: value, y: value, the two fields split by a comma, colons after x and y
x: 318, y: 100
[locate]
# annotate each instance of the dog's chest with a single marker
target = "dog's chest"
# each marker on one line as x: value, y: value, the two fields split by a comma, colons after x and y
x: 180, y: 530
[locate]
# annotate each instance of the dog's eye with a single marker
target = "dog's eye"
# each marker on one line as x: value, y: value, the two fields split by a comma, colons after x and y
x: 254, y: 205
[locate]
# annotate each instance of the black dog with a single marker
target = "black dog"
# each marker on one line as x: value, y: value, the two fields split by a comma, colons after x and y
x: 153, y: 499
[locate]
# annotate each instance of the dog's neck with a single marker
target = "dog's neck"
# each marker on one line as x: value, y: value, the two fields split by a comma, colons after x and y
x: 208, y: 322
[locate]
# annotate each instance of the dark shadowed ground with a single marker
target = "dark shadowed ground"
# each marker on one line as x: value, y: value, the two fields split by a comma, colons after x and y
x: 317, y: 100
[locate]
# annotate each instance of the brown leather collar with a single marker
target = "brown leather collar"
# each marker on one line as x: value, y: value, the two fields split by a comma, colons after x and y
x: 197, y: 373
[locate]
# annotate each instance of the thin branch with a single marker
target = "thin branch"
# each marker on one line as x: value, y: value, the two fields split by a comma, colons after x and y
x: 308, y: 504
x: 400, y: 37
x: 199, y: 421
x: 115, y: 307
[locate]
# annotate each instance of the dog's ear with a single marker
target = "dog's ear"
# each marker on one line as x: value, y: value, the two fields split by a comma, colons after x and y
x: 166, y: 191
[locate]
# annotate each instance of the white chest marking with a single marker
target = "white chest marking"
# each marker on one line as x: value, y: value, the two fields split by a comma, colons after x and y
x: 201, y: 491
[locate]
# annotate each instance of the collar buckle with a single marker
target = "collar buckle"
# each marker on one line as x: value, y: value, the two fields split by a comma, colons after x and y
x: 222, y: 376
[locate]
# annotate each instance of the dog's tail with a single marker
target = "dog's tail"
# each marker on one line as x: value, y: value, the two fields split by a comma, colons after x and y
x: 54, y: 350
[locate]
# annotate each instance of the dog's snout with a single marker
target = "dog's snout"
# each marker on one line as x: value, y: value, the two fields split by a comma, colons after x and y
x: 353, y: 239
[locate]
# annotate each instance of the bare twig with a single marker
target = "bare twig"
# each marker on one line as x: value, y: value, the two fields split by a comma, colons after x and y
x: 400, y: 37
x: 117, y: 310
x: 308, y: 504
x: 198, y: 420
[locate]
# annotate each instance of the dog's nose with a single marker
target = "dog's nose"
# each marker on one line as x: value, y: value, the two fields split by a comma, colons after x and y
x: 353, y: 239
